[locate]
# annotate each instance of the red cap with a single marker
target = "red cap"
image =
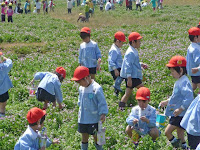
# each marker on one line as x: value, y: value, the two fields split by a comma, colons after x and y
x: 177, y: 61
x: 61, y: 71
x: 134, y: 36
x: 120, y: 36
x: 86, y: 30
x: 1, y: 53
x: 143, y: 93
x: 80, y: 73
x: 35, y: 114
x: 194, y: 31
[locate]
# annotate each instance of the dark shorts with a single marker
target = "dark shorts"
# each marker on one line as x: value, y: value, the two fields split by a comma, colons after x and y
x: 4, y: 97
x: 195, y: 79
x: 43, y: 95
x: 113, y: 73
x: 88, y: 128
x: 193, y: 141
x: 176, y: 121
x: 92, y: 70
x: 135, y: 82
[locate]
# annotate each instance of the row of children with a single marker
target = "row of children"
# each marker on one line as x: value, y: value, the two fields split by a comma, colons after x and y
x: 8, y: 11
x: 92, y: 102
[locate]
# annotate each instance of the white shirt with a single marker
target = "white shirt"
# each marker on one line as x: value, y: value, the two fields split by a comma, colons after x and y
x: 38, y: 5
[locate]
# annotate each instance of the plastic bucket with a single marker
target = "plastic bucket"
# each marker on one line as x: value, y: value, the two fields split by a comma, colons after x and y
x: 32, y: 91
x: 160, y: 120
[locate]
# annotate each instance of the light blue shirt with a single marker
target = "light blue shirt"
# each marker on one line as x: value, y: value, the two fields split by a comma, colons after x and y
x: 149, y: 113
x: 191, y: 119
x: 89, y: 53
x: 198, y: 147
x: 5, y: 82
x: 92, y: 103
x: 29, y: 141
x: 182, y: 96
x: 114, y: 58
x: 51, y: 83
x: 131, y: 65
x: 193, y: 59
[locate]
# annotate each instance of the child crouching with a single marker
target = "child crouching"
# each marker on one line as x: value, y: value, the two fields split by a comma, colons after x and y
x: 142, y: 116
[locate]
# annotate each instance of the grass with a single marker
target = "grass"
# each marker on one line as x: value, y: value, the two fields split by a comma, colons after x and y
x: 43, y: 42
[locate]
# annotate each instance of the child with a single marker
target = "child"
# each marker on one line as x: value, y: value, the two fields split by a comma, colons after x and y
x: 26, y: 7
x: 51, y: 6
x: 143, y: 116
x: 3, y: 12
x: 69, y: 6
x: 5, y: 82
x: 190, y: 123
x: 193, y: 59
x: 91, y: 10
x: 153, y: 4
x: 18, y: 9
x: 10, y: 13
x: 179, y: 101
x: 108, y: 6
x: 131, y: 67
x: 92, y: 106
x: 161, y: 6
x: 38, y: 6
x: 87, y: 8
x: 138, y: 5
x: 29, y: 140
x: 49, y: 86
x: 115, y: 60
x: 83, y: 18
x: 89, y: 52
x: 101, y: 5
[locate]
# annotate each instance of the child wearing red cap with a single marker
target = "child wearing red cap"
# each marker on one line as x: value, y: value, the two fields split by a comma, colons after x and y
x: 49, y: 86
x: 142, y: 118
x: 92, y: 106
x: 131, y: 69
x: 29, y: 140
x: 193, y: 57
x: 5, y: 82
x: 178, y: 102
x: 89, y: 53
x: 115, y: 60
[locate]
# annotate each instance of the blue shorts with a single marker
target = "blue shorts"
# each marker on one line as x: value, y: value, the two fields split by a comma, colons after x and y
x: 135, y: 82
x: 195, y: 79
x: 4, y: 97
x: 193, y: 141
x: 88, y: 128
x: 176, y: 121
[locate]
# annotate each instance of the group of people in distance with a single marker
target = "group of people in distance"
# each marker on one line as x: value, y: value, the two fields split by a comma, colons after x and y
x: 182, y: 108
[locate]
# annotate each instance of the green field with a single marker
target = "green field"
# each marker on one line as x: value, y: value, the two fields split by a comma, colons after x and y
x: 43, y: 42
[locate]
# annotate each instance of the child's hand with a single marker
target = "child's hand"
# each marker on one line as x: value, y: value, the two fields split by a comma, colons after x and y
x: 135, y: 121
x: 116, y: 72
x: 163, y: 103
x: 144, y: 66
x: 177, y: 112
x: 103, y: 117
x: 195, y: 70
x: 32, y: 82
x: 144, y: 119
x: 56, y: 141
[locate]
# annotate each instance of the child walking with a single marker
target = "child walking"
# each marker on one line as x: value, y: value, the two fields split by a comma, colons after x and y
x: 142, y: 118
x: 115, y: 60
x: 92, y: 106
x: 69, y: 6
x: 10, y: 13
x: 89, y: 53
x: 131, y: 69
x: 193, y: 59
x: 3, y: 12
x: 153, y: 4
x: 5, y: 82
x: 30, y: 140
x: 49, y: 86
x: 179, y: 101
x: 190, y: 123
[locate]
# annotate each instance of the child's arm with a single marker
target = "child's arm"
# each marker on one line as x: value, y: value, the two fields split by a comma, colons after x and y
x: 196, y: 59
x: 38, y: 76
x: 112, y: 61
x: 7, y: 64
x: 58, y: 93
x: 80, y: 56
x: 98, y: 53
x: 195, y: 70
x: 132, y: 118
x: 163, y: 103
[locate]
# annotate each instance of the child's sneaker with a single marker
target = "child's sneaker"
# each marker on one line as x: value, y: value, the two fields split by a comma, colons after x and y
x: 176, y: 143
x: 184, y: 146
x: 116, y: 92
x: 121, y: 105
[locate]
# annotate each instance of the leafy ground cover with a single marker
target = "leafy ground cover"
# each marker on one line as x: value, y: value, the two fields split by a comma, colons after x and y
x: 43, y: 42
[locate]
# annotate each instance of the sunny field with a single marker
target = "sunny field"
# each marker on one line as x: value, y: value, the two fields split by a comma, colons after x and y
x: 43, y: 42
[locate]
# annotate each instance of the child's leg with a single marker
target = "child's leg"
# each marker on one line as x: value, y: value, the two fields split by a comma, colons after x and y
x: 129, y: 131
x: 154, y: 133
x: 118, y: 82
x: 2, y: 107
x: 194, y: 86
x: 98, y: 147
x: 84, y: 144
x: 198, y: 85
x: 127, y: 94
x: 54, y: 104
x: 168, y: 131
x: 45, y: 104
x: 180, y: 134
